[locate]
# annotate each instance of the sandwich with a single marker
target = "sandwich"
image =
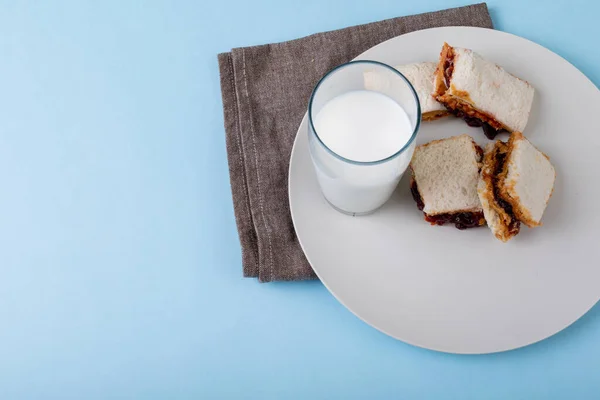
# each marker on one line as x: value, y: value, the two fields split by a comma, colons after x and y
x: 421, y: 76
x: 481, y: 92
x: 445, y: 174
x: 516, y: 183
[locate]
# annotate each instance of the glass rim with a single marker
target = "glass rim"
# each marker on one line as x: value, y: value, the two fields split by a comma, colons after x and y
x: 375, y: 162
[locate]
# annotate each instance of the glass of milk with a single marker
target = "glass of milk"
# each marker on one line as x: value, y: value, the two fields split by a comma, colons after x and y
x: 361, y: 141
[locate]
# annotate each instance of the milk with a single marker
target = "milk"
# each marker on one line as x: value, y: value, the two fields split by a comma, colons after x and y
x: 361, y: 126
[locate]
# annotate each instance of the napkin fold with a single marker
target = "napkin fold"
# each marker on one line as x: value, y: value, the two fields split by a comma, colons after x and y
x: 265, y: 91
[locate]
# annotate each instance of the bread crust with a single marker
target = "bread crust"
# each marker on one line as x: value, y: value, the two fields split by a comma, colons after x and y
x: 475, y: 145
x: 457, y: 104
x: 440, y: 80
x: 503, y: 230
x: 500, y: 230
x: 461, y: 94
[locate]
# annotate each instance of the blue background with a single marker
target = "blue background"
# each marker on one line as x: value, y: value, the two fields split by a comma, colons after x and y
x: 120, y: 271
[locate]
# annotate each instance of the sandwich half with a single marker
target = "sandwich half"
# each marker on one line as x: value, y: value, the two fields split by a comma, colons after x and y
x: 516, y: 183
x: 529, y: 180
x: 421, y: 76
x: 445, y: 174
x: 482, y: 92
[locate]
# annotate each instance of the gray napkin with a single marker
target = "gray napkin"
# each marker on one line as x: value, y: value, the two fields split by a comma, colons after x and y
x: 265, y: 92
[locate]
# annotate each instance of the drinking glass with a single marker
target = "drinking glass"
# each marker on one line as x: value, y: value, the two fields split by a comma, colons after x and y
x: 361, y: 187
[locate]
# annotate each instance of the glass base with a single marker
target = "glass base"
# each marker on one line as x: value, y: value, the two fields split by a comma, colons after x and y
x: 352, y: 214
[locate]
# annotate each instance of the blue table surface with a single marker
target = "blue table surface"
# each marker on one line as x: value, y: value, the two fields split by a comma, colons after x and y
x: 120, y: 271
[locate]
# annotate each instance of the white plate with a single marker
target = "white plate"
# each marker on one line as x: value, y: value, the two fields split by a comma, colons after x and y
x: 464, y: 291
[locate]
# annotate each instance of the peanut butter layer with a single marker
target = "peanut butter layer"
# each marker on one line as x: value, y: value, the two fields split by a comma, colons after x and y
x: 493, y: 173
x: 433, y: 115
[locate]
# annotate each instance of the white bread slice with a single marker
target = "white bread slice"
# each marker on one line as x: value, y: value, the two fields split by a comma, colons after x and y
x: 446, y: 172
x: 486, y: 88
x: 529, y: 180
x: 421, y: 76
